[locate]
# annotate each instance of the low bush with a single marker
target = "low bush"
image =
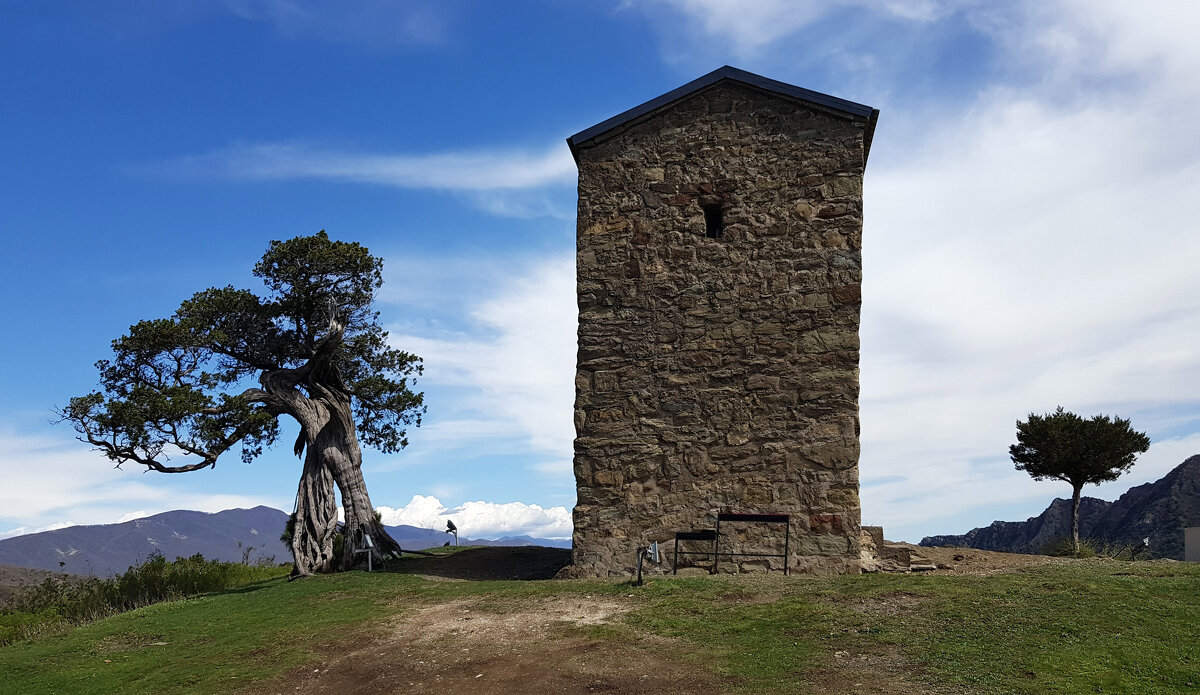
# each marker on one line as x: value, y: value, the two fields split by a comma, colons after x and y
x: 1092, y: 547
x: 1066, y: 548
x: 68, y: 600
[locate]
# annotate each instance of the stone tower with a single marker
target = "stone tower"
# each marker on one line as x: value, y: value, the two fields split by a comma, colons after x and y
x: 719, y: 273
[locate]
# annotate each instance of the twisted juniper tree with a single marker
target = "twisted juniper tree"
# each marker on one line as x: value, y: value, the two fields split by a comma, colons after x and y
x: 178, y: 393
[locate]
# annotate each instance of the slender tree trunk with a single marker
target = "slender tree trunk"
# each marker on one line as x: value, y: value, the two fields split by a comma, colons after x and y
x: 1075, y: 516
x: 315, y: 519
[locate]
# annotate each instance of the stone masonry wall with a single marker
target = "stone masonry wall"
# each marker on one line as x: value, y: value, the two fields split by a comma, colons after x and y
x: 720, y: 374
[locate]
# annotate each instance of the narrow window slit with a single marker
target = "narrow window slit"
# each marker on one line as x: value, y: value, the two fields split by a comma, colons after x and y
x: 714, y: 226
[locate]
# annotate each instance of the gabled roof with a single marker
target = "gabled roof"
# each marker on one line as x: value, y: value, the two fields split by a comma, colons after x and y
x: 830, y: 104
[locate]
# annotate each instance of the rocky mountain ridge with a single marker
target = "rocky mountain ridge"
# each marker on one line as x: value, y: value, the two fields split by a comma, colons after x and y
x: 1158, y: 511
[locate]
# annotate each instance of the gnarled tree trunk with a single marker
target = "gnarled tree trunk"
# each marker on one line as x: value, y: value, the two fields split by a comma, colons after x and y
x: 327, y: 431
x: 315, y: 518
x: 337, y: 446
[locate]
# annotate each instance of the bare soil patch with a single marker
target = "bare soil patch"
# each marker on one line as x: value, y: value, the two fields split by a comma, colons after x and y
x: 129, y: 641
x: 466, y: 623
x: 575, y: 666
x: 463, y: 647
x: 880, y: 671
x: 893, y: 603
x: 951, y: 560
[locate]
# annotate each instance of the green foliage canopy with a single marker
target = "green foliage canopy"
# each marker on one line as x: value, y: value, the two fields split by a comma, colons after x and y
x: 1064, y: 446
x: 175, y: 386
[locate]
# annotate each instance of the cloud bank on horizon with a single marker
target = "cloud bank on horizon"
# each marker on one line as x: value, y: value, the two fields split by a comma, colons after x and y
x: 476, y: 519
x: 479, y: 519
x: 1028, y: 243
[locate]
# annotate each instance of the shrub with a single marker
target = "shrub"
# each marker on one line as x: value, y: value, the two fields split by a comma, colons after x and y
x: 1092, y: 547
x: 67, y: 600
x: 1066, y: 548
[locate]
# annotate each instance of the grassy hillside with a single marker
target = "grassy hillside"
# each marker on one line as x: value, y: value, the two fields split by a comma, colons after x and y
x: 1082, y: 626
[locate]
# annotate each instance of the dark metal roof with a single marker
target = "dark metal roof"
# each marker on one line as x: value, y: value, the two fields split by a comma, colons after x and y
x: 840, y: 107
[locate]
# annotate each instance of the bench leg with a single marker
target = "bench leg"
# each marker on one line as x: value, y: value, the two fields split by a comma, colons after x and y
x: 716, y: 546
x: 787, y: 537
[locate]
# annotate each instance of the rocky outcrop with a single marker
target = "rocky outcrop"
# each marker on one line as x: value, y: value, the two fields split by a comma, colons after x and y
x: 719, y: 273
x: 879, y: 555
x: 1034, y: 535
x: 1158, y: 511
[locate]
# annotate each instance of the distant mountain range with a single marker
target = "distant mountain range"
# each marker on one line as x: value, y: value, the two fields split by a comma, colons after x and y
x: 230, y: 535
x: 1158, y: 511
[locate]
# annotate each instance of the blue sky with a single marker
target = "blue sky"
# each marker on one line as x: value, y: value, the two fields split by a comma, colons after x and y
x: 1029, y: 223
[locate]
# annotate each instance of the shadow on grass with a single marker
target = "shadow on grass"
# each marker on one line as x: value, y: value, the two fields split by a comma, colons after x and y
x: 253, y: 586
x: 486, y: 563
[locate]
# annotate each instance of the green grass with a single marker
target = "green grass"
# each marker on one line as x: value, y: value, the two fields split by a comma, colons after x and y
x: 1088, y: 627
x: 208, y: 644
x: 729, y: 627
x: 1080, y: 627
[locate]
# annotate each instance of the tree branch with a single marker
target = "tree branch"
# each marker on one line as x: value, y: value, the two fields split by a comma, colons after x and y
x: 122, y: 454
x: 250, y: 395
x: 243, y: 357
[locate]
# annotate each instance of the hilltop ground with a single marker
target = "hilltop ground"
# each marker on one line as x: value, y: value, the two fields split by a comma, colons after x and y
x: 983, y: 623
x: 457, y: 647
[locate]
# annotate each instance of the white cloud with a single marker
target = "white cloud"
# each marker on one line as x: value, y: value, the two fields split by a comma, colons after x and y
x: 517, y: 362
x: 482, y: 519
x: 525, y: 204
x: 50, y: 480
x: 481, y: 171
x: 23, y: 530
x: 1071, y: 40
x: 748, y: 26
x: 1068, y: 37
x: 1032, y: 251
x: 751, y: 24
x: 130, y: 516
